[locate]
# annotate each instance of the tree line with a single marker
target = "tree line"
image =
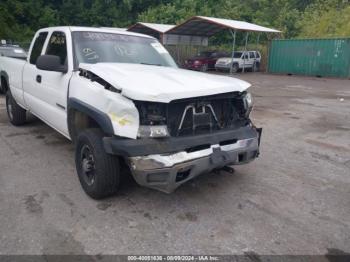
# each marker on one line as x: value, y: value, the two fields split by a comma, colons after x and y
x: 296, y: 18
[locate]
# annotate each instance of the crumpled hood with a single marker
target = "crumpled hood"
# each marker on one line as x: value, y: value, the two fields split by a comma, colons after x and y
x: 162, y: 84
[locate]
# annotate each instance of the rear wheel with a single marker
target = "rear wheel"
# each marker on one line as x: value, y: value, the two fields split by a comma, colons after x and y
x: 99, y: 172
x: 16, y: 114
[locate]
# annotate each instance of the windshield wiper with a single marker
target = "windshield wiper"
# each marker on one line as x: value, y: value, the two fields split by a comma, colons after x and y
x: 150, y: 64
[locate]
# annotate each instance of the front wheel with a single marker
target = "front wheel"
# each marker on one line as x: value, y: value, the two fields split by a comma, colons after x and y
x: 16, y: 114
x: 99, y: 172
x: 235, y: 68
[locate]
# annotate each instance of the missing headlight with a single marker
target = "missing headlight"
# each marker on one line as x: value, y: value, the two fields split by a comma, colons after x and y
x: 151, y: 113
x: 248, y: 99
x: 248, y: 103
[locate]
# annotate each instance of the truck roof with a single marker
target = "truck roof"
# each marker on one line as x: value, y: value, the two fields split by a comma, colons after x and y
x: 96, y: 29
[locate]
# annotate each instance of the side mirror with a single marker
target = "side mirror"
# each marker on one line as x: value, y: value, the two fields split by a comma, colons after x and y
x: 51, y: 63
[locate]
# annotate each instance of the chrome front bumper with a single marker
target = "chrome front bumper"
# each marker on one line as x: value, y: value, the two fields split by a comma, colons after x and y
x: 166, y: 172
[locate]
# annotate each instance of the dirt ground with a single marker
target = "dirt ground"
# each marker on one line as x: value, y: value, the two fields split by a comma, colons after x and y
x: 294, y: 199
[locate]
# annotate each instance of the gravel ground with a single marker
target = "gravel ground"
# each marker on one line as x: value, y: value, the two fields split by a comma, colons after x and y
x: 294, y: 199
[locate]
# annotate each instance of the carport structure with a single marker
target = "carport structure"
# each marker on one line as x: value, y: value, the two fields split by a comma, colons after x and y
x: 205, y: 27
x: 155, y: 30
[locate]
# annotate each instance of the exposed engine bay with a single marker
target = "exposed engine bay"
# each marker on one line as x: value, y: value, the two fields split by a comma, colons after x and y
x: 199, y: 115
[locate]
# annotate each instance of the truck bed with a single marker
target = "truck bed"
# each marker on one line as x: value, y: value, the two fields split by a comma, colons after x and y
x: 11, y: 69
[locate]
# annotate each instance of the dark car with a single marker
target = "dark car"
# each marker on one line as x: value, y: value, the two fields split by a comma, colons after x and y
x: 204, y: 60
x: 12, y: 51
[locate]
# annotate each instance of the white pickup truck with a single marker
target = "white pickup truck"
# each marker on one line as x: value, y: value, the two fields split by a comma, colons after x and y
x: 122, y: 100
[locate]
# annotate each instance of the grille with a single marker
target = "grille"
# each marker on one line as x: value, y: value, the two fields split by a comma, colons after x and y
x: 204, y: 114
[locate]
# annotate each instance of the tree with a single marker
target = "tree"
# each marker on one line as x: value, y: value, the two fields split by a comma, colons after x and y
x: 326, y: 19
x: 19, y: 19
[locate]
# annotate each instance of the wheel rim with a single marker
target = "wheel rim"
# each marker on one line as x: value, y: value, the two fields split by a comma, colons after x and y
x: 87, y: 165
x: 235, y: 68
x: 9, y: 109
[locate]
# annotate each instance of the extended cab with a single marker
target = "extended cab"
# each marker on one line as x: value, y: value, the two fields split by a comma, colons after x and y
x: 121, y: 99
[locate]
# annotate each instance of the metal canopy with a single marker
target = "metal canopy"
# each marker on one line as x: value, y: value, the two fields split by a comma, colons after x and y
x: 141, y: 27
x: 209, y: 26
x: 155, y: 30
x: 115, y: 28
x: 202, y: 26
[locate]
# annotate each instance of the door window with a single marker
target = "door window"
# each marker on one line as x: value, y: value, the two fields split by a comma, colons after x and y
x: 37, y: 47
x: 251, y: 54
x: 245, y: 56
x: 57, y: 46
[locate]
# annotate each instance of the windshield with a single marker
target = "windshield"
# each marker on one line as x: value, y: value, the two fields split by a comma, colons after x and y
x: 205, y: 54
x: 99, y: 47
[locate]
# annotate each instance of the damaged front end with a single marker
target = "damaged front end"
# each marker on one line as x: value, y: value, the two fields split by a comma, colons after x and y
x: 180, y: 140
x: 195, y: 116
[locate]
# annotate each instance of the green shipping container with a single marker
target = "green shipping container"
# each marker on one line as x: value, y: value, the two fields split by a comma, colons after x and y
x: 311, y: 57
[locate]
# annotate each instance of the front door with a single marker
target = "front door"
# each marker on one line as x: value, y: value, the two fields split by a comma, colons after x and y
x: 48, y: 96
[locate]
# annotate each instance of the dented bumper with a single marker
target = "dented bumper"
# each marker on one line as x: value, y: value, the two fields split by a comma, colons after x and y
x: 179, y: 159
x: 167, y: 172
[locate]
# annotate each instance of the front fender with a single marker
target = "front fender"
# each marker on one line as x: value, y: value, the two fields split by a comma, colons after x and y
x: 116, y: 113
x: 98, y: 116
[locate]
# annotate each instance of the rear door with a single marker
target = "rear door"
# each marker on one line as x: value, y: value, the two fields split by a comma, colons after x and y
x: 245, y: 60
x: 252, y: 58
x: 258, y: 57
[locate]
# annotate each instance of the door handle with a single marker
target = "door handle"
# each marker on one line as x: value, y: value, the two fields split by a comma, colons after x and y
x: 38, y: 78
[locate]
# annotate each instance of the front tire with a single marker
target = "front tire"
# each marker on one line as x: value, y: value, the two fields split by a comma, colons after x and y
x: 98, y: 172
x: 235, y: 68
x: 16, y: 114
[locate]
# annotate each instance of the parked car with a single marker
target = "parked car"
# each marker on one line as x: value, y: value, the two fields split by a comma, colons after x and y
x: 12, y: 51
x: 204, y: 61
x: 122, y: 100
x: 248, y: 60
